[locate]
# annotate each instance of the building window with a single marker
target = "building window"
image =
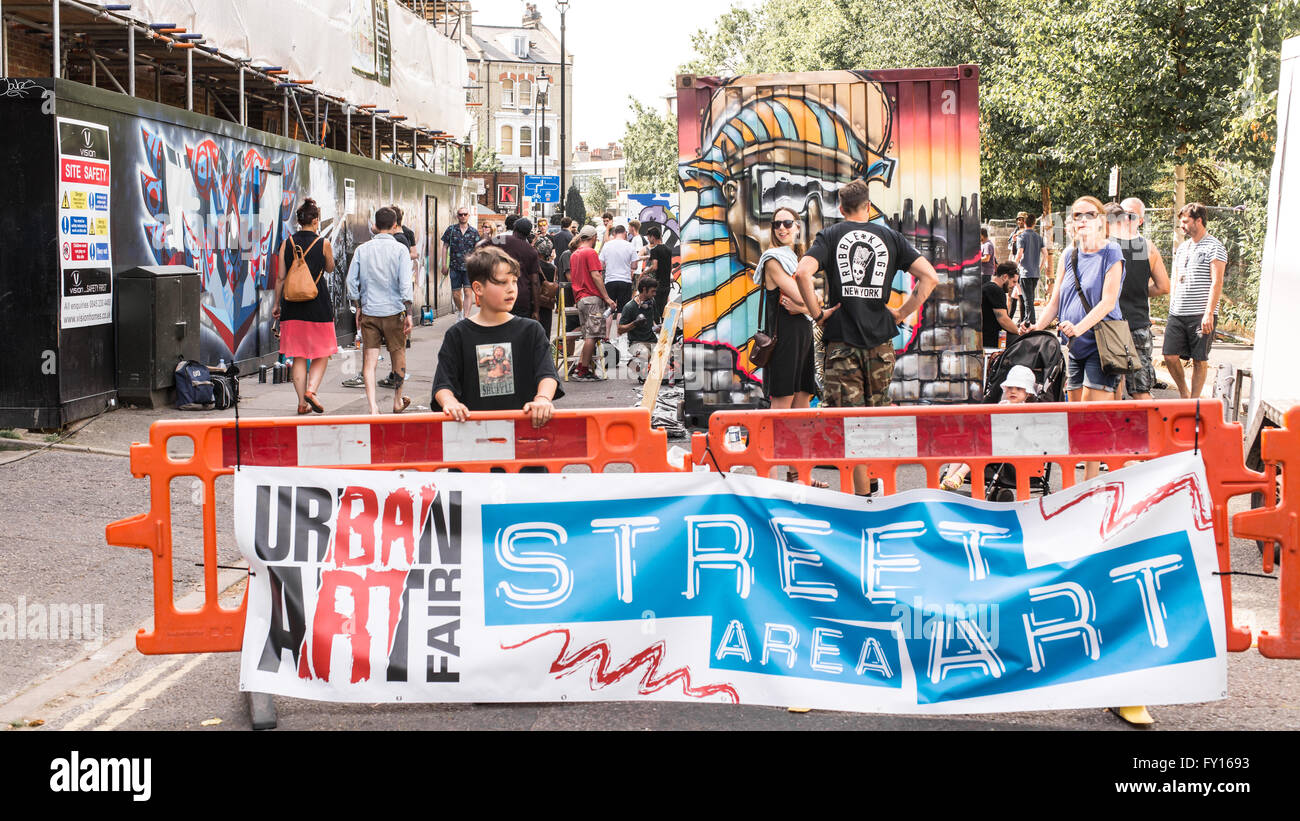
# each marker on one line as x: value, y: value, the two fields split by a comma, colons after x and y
x: 544, y: 142
x: 507, y: 140
x: 525, y: 141
x: 507, y: 93
x: 525, y: 93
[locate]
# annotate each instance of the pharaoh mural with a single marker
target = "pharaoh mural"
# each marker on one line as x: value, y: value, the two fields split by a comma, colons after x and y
x: 793, y: 140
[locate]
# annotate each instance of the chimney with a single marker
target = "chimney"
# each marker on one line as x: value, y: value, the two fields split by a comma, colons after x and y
x: 532, y: 17
x: 467, y: 22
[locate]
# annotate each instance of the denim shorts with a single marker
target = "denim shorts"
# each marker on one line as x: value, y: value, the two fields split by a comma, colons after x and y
x: 459, y: 279
x: 1087, y: 373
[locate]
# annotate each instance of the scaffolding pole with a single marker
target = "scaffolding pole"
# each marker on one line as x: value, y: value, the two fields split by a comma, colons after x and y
x: 130, y: 58
x: 57, y: 73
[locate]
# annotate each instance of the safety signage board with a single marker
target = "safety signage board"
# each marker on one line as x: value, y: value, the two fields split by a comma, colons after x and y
x: 86, y: 266
x: 387, y: 586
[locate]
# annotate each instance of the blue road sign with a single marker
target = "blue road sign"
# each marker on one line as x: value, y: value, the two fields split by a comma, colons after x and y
x: 542, y: 187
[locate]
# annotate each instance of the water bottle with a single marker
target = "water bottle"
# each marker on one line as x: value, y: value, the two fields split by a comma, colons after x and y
x: 1002, y: 339
x: 221, y: 366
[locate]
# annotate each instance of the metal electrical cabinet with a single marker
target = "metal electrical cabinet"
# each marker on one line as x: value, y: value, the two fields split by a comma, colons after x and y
x: 157, y: 327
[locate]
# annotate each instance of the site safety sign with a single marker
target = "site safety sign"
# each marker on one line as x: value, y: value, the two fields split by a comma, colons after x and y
x: 373, y: 586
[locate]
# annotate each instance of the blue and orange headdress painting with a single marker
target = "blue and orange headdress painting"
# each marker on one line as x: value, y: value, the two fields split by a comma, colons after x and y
x: 761, y: 154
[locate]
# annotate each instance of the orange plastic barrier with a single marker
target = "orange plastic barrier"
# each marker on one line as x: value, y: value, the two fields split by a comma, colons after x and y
x: 1280, y: 448
x: 504, y: 441
x: 1027, y: 436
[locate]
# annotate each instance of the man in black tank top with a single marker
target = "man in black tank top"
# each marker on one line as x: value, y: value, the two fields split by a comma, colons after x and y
x: 1145, y: 276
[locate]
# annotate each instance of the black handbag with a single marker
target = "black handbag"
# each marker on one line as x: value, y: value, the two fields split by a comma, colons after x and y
x: 764, y: 340
x: 1114, y: 340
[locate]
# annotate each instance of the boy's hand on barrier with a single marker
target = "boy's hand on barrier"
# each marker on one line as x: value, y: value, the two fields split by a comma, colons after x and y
x: 540, y: 409
x: 456, y: 410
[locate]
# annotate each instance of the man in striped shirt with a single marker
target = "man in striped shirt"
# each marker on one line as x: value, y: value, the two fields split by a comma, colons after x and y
x: 1199, y: 264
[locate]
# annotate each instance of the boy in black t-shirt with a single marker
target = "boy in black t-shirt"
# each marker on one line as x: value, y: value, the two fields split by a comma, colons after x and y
x: 638, y: 322
x: 495, y: 360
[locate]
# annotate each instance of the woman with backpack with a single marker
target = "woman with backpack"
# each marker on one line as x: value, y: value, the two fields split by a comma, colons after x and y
x: 306, y: 325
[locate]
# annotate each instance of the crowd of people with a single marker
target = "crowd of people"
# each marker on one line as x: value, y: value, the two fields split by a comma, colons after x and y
x: 504, y: 288
x: 1108, y: 271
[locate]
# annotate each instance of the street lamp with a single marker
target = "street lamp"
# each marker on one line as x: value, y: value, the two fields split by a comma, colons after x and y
x: 563, y: 6
x: 543, y: 85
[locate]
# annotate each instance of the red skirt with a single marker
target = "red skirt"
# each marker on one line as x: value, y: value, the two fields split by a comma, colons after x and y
x: 310, y: 340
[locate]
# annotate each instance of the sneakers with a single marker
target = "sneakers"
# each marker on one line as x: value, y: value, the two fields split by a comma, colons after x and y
x: 581, y: 373
x: 359, y: 381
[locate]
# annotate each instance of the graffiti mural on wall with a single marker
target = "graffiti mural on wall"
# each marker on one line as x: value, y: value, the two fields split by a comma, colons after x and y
x: 771, y: 141
x: 223, y: 214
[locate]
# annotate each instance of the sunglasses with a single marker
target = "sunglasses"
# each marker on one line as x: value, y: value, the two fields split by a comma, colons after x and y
x: 1083, y: 215
x: 782, y: 223
x: 462, y: 214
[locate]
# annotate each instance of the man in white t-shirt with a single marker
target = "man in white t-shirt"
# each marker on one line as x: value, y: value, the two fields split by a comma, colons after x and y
x: 617, y: 256
x: 1199, y: 265
x: 638, y: 245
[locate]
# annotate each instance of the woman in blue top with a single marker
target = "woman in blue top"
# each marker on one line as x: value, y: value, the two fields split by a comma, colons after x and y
x: 1098, y: 265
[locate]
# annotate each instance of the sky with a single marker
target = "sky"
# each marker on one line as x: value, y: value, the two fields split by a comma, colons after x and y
x: 620, y: 50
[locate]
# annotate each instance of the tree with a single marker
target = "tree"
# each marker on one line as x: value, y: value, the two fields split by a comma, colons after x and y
x: 486, y: 159
x: 597, y: 197
x: 574, y: 207
x: 650, y: 150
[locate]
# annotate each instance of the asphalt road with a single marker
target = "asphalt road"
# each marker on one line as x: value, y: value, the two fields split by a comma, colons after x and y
x: 56, y: 504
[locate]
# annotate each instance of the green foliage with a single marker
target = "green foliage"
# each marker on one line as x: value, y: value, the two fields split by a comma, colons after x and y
x: 650, y: 150
x: 486, y: 159
x: 597, y: 196
x: 1067, y: 90
x: 574, y: 206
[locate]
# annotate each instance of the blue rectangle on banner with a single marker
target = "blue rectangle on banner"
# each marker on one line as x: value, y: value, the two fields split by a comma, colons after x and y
x: 841, y: 595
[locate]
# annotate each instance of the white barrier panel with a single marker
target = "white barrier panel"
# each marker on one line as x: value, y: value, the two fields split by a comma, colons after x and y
x: 455, y: 587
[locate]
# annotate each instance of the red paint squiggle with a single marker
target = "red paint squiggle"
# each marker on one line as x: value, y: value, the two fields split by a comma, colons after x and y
x: 1117, y: 519
x: 602, y: 676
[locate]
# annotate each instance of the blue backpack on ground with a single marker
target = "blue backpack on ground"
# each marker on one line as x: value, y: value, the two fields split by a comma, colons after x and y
x: 193, y: 385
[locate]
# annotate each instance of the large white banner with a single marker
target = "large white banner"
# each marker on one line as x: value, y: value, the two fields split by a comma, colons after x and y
x: 342, y: 46
x: 376, y: 586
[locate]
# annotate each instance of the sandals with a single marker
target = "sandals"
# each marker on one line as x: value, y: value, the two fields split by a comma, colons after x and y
x: 793, y: 476
x: 310, y: 399
x: 406, y: 403
x: 303, y: 410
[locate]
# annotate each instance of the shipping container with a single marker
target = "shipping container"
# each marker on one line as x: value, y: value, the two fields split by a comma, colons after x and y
x: 749, y: 145
x: 98, y: 183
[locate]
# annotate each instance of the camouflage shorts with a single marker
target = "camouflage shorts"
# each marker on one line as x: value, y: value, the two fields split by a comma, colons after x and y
x: 858, y: 377
x: 1144, y: 378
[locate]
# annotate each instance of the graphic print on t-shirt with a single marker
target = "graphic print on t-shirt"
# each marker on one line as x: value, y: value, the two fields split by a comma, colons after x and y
x: 496, y: 370
x: 859, y: 255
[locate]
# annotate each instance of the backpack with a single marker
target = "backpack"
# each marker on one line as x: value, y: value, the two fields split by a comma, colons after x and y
x: 225, y: 388
x: 193, y: 384
x: 299, y: 284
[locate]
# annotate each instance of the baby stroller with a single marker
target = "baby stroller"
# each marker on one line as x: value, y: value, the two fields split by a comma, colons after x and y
x: 1041, y: 353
